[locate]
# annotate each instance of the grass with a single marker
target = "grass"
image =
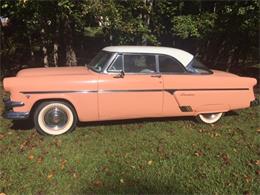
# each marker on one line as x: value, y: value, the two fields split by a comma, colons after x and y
x: 173, y: 155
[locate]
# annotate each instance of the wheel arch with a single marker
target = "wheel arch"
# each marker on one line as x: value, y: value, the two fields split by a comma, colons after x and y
x: 38, y: 102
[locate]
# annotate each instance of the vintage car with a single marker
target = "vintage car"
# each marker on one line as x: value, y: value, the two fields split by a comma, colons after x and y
x: 124, y: 82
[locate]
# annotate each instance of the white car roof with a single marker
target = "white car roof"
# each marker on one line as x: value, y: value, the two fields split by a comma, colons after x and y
x: 182, y: 56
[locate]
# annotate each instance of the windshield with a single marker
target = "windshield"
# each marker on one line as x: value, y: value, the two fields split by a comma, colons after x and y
x: 99, y: 61
x: 195, y: 66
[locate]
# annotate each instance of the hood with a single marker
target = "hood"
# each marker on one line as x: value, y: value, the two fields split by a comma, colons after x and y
x: 36, y: 72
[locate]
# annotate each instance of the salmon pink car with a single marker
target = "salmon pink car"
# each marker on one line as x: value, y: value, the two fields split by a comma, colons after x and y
x: 124, y: 82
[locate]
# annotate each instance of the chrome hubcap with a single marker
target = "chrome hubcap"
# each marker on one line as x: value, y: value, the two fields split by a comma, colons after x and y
x: 55, y: 118
x: 209, y: 116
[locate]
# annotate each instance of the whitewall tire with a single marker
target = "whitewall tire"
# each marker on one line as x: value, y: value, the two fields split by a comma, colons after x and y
x: 209, y: 118
x: 55, y: 118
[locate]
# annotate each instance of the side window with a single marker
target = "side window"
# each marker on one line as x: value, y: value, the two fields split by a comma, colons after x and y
x: 139, y: 63
x: 117, y: 65
x: 168, y: 64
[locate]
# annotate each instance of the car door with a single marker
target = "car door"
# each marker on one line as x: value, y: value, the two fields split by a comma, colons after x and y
x: 136, y: 93
x: 174, y: 77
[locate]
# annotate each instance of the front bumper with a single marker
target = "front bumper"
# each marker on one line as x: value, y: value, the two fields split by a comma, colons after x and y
x: 255, y: 102
x: 10, y: 114
x: 15, y: 115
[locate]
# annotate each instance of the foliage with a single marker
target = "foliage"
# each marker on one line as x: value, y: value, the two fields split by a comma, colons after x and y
x: 193, y: 26
x: 221, y: 32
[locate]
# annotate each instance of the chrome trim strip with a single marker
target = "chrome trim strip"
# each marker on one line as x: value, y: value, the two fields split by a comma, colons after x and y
x: 47, y: 92
x: 132, y: 90
x: 212, y: 89
x: 206, y: 89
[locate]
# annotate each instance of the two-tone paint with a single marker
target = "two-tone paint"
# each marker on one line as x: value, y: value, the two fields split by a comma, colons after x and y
x: 107, y: 96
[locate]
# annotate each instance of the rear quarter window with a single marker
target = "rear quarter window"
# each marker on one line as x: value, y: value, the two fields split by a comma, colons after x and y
x: 168, y: 64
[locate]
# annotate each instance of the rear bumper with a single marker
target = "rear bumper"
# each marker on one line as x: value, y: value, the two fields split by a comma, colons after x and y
x: 10, y: 114
x: 255, y: 102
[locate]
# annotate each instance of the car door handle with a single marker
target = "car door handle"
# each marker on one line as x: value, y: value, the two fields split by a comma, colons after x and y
x: 156, y: 75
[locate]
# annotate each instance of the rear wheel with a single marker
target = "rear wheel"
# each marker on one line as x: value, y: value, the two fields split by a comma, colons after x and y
x: 55, y: 118
x: 209, y: 118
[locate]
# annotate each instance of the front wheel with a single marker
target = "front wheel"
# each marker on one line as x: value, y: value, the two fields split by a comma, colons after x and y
x: 209, y: 118
x: 55, y: 118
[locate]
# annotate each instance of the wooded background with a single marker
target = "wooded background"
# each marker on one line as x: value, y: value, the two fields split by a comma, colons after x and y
x: 223, y: 34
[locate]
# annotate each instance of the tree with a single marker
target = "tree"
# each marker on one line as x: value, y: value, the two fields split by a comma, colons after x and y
x: 64, y: 32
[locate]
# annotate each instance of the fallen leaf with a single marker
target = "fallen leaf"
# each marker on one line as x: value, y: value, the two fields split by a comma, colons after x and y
x: 2, y: 193
x: 225, y: 158
x: 150, y: 162
x: 246, y: 193
x: 122, y: 181
x: 22, y: 146
x: 1, y: 137
x: 31, y: 157
x: 126, y: 155
x: 248, y: 179
x: 104, y: 169
x: 62, y: 164
x: 257, y: 162
x: 57, y: 143
x: 50, y: 176
x: 75, y: 175
x: 98, y: 183
x: 39, y: 159
x: 198, y: 153
x: 258, y: 130
x: 257, y: 172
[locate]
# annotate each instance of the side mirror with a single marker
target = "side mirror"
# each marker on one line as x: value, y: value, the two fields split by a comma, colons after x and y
x: 120, y: 75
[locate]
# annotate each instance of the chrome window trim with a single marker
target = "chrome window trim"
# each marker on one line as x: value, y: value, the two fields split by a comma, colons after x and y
x: 111, y: 58
x: 112, y: 62
x: 116, y: 54
x: 106, y: 71
x: 109, y: 62
x: 184, y: 68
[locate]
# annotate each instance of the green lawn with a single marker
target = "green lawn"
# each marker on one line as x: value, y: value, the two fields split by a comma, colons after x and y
x: 174, y: 155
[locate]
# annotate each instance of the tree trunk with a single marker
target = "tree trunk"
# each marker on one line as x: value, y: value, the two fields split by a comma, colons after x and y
x: 45, y: 57
x: 220, y: 52
x: 71, y: 59
x: 232, y: 58
x: 44, y: 49
x: 55, y: 54
x: 146, y: 17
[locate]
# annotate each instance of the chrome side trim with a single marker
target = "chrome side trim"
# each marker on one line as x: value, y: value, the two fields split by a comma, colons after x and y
x: 213, y: 89
x: 47, y: 92
x: 171, y: 91
x: 131, y: 90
